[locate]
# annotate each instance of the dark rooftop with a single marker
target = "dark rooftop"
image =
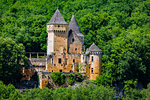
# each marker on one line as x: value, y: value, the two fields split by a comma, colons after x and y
x: 57, y: 18
x: 93, y: 47
x: 73, y: 25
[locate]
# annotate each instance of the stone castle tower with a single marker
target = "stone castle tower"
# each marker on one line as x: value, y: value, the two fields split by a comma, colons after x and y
x: 65, y: 49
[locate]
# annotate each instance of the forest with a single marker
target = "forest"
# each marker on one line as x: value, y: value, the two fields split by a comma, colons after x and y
x: 120, y: 28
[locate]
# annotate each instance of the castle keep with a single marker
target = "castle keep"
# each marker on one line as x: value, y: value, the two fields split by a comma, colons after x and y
x: 65, y: 49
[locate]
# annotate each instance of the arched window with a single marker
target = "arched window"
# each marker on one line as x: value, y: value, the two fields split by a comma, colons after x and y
x: 92, y: 70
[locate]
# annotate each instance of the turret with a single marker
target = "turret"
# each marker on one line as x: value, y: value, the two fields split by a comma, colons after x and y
x: 95, y: 60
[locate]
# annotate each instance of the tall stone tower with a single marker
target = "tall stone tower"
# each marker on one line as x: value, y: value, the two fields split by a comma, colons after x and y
x: 95, y: 60
x: 57, y: 29
x: 57, y: 42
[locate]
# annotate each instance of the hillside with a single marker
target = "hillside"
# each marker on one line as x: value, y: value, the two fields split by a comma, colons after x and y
x: 119, y: 27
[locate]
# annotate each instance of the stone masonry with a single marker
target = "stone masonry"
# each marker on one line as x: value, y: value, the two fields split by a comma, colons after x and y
x: 66, y: 51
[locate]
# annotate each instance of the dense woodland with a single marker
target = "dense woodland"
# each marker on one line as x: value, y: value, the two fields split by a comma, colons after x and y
x: 120, y: 28
x: 80, y: 93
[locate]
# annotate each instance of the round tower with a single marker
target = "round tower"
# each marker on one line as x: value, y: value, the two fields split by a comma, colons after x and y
x: 95, y: 61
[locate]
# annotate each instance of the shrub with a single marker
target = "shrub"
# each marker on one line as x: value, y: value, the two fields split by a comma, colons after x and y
x: 79, y: 77
x: 58, y: 77
x: 71, y: 79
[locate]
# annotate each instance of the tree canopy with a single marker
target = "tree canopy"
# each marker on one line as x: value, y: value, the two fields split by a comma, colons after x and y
x: 119, y: 27
x: 11, y: 56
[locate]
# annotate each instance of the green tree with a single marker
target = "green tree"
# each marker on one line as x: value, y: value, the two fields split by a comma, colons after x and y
x: 12, y: 55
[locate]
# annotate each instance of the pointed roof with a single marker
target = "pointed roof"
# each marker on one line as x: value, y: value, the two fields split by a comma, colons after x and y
x: 73, y: 25
x: 57, y: 18
x: 93, y: 47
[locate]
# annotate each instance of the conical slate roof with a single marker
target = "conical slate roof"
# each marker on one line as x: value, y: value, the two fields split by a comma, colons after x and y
x: 93, y: 47
x: 73, y: 25
x: 57, y: 18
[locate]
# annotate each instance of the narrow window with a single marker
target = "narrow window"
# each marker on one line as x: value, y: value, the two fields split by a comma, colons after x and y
x: 92, y: 70
x: 73, y: 60
x: 59, y: 60
x: 52, y: 61
x: 92, y: 59
x: 52, y: 70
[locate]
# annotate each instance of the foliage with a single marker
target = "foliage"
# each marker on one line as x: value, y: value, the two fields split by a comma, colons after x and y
x: 9, y: 91
x: 11, y: 56
x: 79, y: 77
x: 119, y: 27
x: 78, y: 93
x: 35, y: 78
x: 58, y: 77
x: 71, y: 79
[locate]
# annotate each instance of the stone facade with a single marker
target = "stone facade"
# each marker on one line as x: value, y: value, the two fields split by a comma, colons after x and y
x: 65, y: 49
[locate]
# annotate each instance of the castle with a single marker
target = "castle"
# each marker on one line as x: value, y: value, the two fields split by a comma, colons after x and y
x: 66, y: 51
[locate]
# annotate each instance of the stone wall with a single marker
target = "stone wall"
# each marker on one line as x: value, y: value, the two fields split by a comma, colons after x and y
x: 27, y: 73
x: 67, y: 62
x: 57, y: 38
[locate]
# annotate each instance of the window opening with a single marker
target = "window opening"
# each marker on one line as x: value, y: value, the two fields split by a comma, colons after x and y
x: 60, y: 70
x: 52, y: 61
x: 73, y: 60
x: 72, y: 39
x: 92, y: 70
x: 75, y: 49
x: 59, y: 60
x: 92, y: 59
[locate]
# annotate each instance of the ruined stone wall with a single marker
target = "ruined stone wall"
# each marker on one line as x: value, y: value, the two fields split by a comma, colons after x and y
x: 27, y: 73
x: 43, y: 83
